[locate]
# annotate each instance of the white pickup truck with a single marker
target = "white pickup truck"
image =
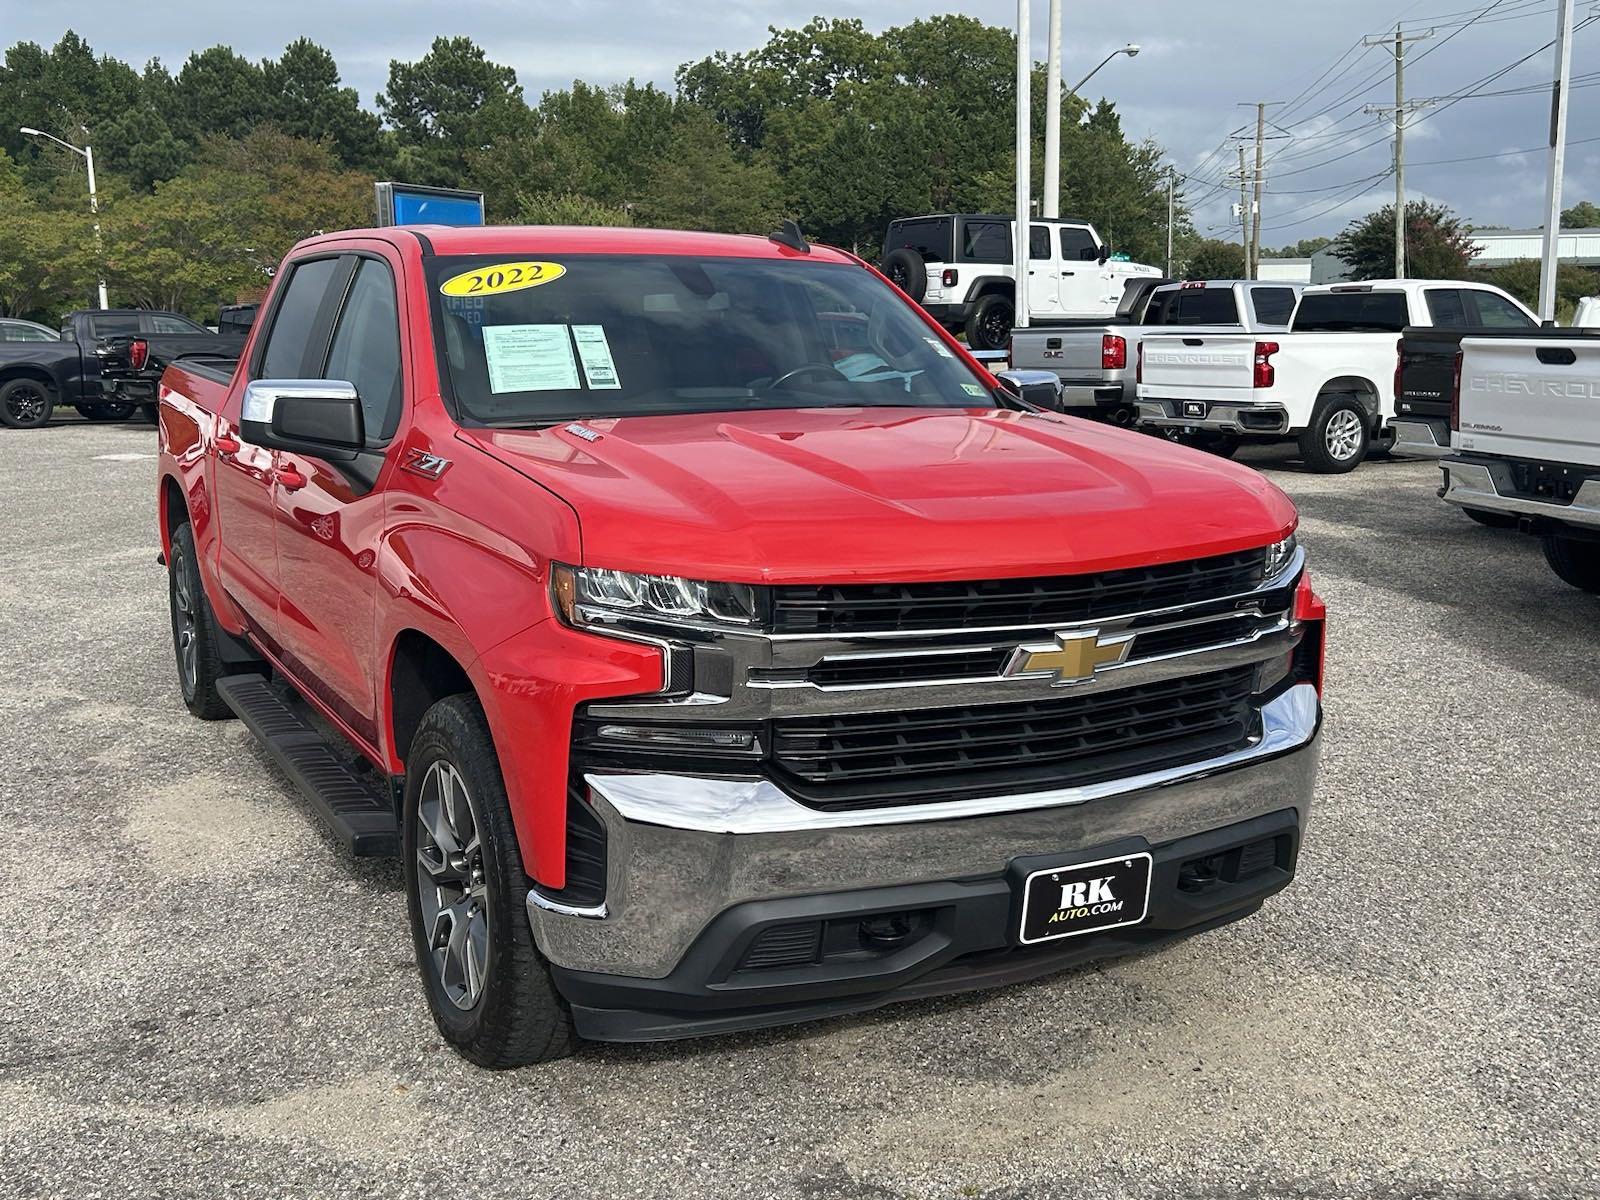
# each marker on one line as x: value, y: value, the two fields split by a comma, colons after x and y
x: 1328, y: 383
x: 1525, y: 433
x: 1095, y: 361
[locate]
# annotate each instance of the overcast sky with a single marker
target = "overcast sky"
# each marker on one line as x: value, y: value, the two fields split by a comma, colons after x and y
x: 1199, y: 62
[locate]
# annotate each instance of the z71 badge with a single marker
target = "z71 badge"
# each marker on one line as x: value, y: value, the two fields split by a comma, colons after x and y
x: 429, y: 466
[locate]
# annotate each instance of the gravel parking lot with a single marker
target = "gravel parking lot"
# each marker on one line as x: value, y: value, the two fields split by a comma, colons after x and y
x: 203, y: 994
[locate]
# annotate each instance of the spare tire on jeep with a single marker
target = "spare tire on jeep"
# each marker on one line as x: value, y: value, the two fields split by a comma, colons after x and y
x: 906, y: 271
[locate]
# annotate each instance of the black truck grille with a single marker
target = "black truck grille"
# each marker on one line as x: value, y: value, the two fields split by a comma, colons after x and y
x: 872, y: 607
x: 860, y: 759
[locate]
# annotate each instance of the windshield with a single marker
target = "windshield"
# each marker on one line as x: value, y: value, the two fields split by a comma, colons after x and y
x: 540, y: 341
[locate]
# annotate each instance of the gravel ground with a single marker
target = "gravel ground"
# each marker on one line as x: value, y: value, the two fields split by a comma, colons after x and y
x: 203, y: 995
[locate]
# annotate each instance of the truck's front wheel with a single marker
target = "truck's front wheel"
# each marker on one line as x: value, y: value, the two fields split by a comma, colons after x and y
x: 1337, y: 439
x: 488, y: 986
x: 990, y: 323
x: 26, y: 404
x: 1575, y: 560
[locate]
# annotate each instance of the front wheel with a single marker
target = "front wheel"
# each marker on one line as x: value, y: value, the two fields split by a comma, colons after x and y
x: 991, y: 322
x: 1337, y: 438
x: 1574, y: 560
x: 26, y: 404
x: 488, y: 987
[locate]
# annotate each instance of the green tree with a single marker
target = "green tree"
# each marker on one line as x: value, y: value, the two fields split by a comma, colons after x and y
x: 1212, y: 258
x: 1438, y: 245
x: 46, y: 265
x: 567, y: 208
x: 217, y: 93
x: 700, y: 183
x: 1583, y: 215
x: 1304, y: 248
x: 306, y: 101
x: 449, y: 102
x: 1521, y: 279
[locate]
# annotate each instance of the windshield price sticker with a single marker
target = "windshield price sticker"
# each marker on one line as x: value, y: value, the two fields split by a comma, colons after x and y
x: 594, y: 351
x: 502, y: 277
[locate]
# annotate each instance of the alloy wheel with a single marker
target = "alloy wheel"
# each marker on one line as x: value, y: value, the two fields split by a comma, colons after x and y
x: 451, y: 885
x: 1343, y: 435
x: 997, y: 326
x: 185, y: 617
x: 26, y: 404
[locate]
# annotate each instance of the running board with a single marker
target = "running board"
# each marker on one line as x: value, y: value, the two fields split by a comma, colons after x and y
x: 361, y: 814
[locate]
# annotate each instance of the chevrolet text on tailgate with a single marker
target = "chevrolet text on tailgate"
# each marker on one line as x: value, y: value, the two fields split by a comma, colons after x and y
x: 715, y: 642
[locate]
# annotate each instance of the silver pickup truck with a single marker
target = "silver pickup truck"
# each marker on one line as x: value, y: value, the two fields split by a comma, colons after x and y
x: 1525, y: 441
x: 1095, y: 360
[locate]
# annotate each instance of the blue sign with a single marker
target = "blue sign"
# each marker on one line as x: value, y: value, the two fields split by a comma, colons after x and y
x: 414, y: 204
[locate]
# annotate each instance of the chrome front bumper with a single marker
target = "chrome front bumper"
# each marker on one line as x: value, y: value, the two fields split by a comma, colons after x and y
x: 1417, y: 439
x: 682, y: 849
x: 1473, y: 485
x: 1219, y: 418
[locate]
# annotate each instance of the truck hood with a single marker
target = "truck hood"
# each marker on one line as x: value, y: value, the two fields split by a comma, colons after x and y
x: 844, y: 494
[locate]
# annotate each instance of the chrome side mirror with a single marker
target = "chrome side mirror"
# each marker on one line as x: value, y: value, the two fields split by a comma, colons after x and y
x: 1041, y: 389
x: 319, y: 417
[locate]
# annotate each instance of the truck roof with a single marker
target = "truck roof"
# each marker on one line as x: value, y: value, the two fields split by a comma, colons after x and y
x: 583, y: 239
x: 995, y: 217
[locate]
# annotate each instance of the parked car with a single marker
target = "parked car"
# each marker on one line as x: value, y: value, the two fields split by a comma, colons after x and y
x: 14, y: 329
x: 37, y: 373
x: 703, y: 680
x: 959, y: 267
x: 1525, y: 436
x: 1095, y: 362
x: 1328, y: 383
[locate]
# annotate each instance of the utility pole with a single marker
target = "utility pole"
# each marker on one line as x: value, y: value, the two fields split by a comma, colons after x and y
x: 1558, y: 156
x: 1050, y: 205
x: 1019, y: 251
x: 1255, y: 225
x: 1397, y: 47
x: 1172, y: 176
x: 1244, y: 214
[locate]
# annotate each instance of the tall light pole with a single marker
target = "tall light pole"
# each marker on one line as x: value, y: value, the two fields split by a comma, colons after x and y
x: 85, y: 152
x: 1050, y: 205
x: 1131, y: 50
x: 1019, y: 252
x: 1558, y: 154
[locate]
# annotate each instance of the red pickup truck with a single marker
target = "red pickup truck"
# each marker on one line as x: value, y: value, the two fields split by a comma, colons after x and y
x: 715, y: 641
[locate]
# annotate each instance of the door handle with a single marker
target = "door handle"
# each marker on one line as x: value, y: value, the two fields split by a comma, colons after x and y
x: 1069, y: 272
x: 227, y: 445
x: 289, y: 478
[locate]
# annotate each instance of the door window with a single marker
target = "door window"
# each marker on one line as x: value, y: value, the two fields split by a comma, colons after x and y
x: 285, y: 353
x: 986, y: 241
x: 366, y: 348
x: 111, y: 324
x: 169, y: 323
x: 1446, y: 308
x: 1078, y: 244
x: 1496, y: 312
x: 1038, y: 241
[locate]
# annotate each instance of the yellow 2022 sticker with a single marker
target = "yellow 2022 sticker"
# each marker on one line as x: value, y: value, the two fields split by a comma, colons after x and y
x: 501, y: 277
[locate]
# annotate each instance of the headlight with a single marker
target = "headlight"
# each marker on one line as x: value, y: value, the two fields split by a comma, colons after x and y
x: 1279, y: 556
x: 664, y: 598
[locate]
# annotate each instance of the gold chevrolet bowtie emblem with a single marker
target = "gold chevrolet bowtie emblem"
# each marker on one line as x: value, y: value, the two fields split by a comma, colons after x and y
x: 1070, y: 657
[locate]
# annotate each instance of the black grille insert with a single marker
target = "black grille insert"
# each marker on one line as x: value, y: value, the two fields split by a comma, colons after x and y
x: 857, y: 608
x: 866, y: 759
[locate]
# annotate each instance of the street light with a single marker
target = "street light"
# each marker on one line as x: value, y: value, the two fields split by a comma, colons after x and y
x: 86, y: 152
x: 1131, y: 50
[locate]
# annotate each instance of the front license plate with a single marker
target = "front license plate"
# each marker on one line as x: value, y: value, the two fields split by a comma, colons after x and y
x: 1061, y: 902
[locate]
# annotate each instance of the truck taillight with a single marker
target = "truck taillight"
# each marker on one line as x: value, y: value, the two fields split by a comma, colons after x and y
x: 1455, y: 396
x: 1399, y: 364
x: 1265, y: 374
x: 1138, y: 370
x: 138, y: 353
x: 1113, y: 352
x: 948, y: 277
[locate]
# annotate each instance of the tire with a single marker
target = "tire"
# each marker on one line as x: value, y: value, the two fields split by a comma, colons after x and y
x: 26, y: 404
x: 1574, y: 560
x: 1491, y: 520
x: 106, y: 410
x: 1223, y: 445
x: 990, y: 323
x: 149, y: 413
x: 907, y: 271
x: 506, y: 1012
x: 1383, y: 445
x: 194, y: 640
x: 1338, y: 438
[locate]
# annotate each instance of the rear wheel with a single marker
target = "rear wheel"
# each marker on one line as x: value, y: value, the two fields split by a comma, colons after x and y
x: 26, y: 404
x: 194, y: 640
x: 1574, y: 560
x: 105, y: 410
x: 991, y: 322
x: 488, y: 987
x: 1337, y: 438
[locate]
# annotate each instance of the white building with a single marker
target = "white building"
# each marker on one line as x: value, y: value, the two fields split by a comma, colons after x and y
x: 1285, y: 270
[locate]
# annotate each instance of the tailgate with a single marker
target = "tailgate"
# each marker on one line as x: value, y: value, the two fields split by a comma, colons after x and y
x: 1214, y: 366
x: 1070, y: 353
x: 1531, y: 398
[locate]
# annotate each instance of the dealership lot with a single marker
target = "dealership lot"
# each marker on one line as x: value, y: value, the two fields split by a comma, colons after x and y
x: 199, y: 986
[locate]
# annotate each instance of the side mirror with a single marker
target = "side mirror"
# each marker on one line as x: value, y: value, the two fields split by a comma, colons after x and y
x: 1041, y: 389
x: 319, y: 417
x: 1105, y: 254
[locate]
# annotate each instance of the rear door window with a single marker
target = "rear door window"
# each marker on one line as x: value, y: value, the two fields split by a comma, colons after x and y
x: 112, y: 324
x: 1496, y: 312
x: 169, y: 323
x: 1446, y: 308
x: 1078, y: 244
x: 1272, y: 306
x: 286, y: 354
x: 366, y: 348
x: 986, y: 241
x: 1038, y: 241
x: 1351, y: 312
